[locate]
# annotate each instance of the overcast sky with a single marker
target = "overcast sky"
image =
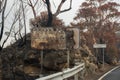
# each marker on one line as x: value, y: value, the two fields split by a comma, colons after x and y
x: 68, y: 16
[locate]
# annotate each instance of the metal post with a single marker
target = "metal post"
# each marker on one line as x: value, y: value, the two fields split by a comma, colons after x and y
x: 103, y: 57
x: 76, y: 77
x: 96, y: 51
x: 68, y: 58
x: 41, y: 61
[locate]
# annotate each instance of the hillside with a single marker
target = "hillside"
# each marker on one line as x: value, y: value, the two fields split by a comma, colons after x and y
x: 22, y: 61
x: 27, y: 61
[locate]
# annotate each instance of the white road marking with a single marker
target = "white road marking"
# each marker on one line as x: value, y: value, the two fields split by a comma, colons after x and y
x: 108, y: 73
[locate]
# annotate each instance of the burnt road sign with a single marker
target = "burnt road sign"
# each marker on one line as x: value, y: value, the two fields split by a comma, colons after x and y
x: 48, y: 38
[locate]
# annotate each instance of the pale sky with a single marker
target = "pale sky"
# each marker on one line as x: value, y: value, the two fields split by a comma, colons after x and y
x: 68, y: 16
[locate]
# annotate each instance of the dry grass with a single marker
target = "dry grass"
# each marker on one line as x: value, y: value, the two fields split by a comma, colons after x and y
x: 99, y: 72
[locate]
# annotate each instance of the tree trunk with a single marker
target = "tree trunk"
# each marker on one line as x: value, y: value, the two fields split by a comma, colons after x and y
x: 50, y: 15
x: 2, y: 28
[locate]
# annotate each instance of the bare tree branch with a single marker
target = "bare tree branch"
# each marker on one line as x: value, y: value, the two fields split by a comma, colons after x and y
x: 35, y: 3
x: 59, y: 8
x: 3, y: 13
x: 58, y: 11
x: 24, y: 42
x: 0, y: 4
x: 50, y: 16
x: 9, y: 33
x: 33, y: 7
x: 12, y: 26
x: 10, y: 10
x: 68, y: 8
x: 44, y: 1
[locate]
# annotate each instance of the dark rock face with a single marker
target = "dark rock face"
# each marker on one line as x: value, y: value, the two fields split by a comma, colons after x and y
x: 55, y: 61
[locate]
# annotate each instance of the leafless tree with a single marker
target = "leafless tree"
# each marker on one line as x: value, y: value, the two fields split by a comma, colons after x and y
x: 18, y: 23
x: 32, y: 5
x: 24, y: 22
x: 2, y: 11
x: 15, y: 20
x: 58, y: 11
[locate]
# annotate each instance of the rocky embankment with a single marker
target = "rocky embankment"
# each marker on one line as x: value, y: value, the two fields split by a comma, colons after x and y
x: 25, y: 61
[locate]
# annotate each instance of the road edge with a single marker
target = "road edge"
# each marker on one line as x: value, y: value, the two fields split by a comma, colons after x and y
x: 108, y: 72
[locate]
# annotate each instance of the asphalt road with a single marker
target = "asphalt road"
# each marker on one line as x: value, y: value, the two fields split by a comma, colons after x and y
x: 114, y: 75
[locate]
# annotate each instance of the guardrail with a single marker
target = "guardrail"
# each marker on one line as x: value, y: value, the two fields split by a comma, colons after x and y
x: 65, y: 74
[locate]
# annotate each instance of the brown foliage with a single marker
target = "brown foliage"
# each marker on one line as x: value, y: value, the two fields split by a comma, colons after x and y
x: 100, y: 17
x: 85, y: 4
x: 41, y: 21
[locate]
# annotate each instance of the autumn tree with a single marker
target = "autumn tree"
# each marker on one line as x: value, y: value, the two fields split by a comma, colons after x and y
x: 101, y: 17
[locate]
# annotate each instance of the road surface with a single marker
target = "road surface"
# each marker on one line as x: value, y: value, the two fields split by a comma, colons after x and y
x: 114, y: 75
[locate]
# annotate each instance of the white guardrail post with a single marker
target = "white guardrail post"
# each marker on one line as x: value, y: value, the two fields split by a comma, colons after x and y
x: 76, y: 77
x: 65, y: 74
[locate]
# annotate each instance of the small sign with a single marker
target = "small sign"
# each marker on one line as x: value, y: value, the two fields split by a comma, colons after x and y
x: 99, y: 46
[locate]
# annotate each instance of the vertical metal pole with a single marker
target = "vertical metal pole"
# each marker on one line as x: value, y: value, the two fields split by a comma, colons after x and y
x: 41, y: 61
x: 76, y: 77
x: 96, y: 53
x: 68, y: 58
x: 103, y: 57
